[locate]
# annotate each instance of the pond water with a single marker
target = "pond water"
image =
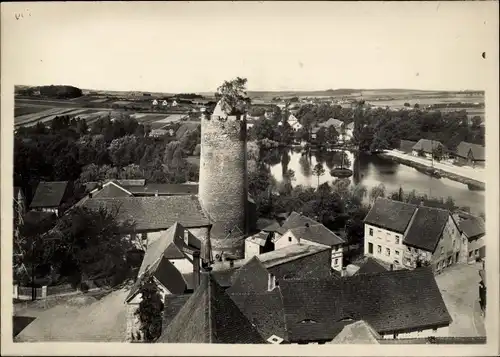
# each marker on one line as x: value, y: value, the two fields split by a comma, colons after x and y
x: 371, y: 170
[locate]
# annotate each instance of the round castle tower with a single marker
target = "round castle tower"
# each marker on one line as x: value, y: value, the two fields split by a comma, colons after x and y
x: 223, y: 180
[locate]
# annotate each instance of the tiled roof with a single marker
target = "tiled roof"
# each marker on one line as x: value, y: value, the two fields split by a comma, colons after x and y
x: 317, y: 233
x: 371, y: 266
x: 131, y: 182
x: 154, y: 213
x: 265, y: 311
x: 295, y: 220
x: 332, y: 122
x: 49, y: 194
x: 389, y: 214
x: 477, y: 150
x: 392, y: 301
x: 472, y: 227
x: 427, y: 145
x: 259, y: 238
x: 173, y: 304
x: 426, y: 228
x: 37, y: 217
x: 251, y: 277
x: 163, y: 189
x: 210, y: 316
x: 111, y: 190
x: 268, y: 225
x: 357, y: 332
x: 166, y: 273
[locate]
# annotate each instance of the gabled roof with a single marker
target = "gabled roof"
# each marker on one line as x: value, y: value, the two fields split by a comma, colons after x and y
x: 154, y: 213
x: 472, y: 227
x: 163, y: 189
x: 317, y: 233
x: 210, y: 316
x: 426, y: 228
x: 260, y: 238
x: 464, y: 148
x: 295, y: 220
x: 166, y: 274
x: 173, y: 304
x: 49, y: 194
x: 264, y: 310
x: 370, y: 266
x: 391, y: 302
x: 131, y: 182
x: 111, y: 190
x: 357, y: 332
x: 427, y: 145
x: 332, y: 122
x: 251, y: 277
x: 389, y: 214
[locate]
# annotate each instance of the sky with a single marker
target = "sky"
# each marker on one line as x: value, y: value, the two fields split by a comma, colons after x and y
x: 194, y: 46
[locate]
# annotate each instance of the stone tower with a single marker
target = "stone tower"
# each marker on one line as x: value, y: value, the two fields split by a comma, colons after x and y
x: 223, y: 180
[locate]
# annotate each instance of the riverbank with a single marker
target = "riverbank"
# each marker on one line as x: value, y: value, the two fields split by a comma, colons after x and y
x: 426, y: 168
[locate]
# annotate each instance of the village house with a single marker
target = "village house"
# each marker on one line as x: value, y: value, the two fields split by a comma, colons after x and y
x: 294, y: 122
x: 470, y: 154
x: 174, y: 263
x: 50, y: 197
x: 473, y: 236
x: 407, y: 235
x: 158, y: 133
x: 299, y: 229
x: 428, y: 147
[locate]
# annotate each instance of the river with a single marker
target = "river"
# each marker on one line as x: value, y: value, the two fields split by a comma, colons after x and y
x: 370, y: 170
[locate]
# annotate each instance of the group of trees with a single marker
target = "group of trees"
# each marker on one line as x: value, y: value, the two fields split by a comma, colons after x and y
x: 52, y: 91
x: 120, y: 148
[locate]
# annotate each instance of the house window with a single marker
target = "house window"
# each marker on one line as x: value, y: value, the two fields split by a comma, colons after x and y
x: 397, y: 240
x: 397, y: 252
x: 336, y: 261
x: 379, y: 249
x: 396, y: 262
x: 370, y: 248
x: 289, y: 239
x: 476, y: 252
x: 387, y: 251
x: 371, y: 232
x: 470, y: 254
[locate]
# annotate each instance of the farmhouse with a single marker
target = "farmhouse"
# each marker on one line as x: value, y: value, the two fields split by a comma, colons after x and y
x: 470, y: 154
x: 473, y: 236
x: 50, y: 196
x: 303, y: 230
x: 428, y: 147
x: 406, y: 146
x: 405, y: 235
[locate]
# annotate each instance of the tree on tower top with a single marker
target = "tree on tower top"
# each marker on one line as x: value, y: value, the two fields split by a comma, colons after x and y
x: 232, y: 96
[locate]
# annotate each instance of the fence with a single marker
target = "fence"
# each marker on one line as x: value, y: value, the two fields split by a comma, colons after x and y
x: 25, y: 293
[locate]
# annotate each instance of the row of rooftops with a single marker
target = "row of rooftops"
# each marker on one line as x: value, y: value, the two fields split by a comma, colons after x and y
x: 464, y: 149
x: 422, y: 226
x: 300, y: 310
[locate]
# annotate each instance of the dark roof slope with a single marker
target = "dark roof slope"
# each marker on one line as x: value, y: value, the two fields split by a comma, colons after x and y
x: 473, y: 227
x: 210, y: 316
x: 426, y: 228
x: 295, y: 220
x: 163, y: 189
x: 390, y: 214
x: 251, y: 277
x: 392, y: 301
x: 49, y: 194
x: 406, y: 145
x: 154, y: 213
x: 427, y: 145
x: 265, y: 311
x: 111, y: 190
x: 173, y: 304
x: 477, y: 150
x: 371, y: 266
x: 317, y: 233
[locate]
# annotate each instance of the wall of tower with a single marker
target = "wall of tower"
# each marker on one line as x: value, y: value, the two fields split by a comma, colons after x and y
x: 223, y: 181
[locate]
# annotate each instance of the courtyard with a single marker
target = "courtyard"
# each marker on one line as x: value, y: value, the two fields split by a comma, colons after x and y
x: 459, y: 285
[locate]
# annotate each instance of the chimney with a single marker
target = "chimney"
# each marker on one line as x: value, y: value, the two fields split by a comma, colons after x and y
x: 196, y: 269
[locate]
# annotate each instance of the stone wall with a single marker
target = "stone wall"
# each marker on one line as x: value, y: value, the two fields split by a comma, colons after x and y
x: 223, y: 181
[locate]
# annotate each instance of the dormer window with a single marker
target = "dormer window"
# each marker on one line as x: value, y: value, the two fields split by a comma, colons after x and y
x: 275, y: 340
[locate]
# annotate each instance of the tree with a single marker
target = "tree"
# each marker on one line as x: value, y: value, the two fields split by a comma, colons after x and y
x: 318, y: 170
x: 150, y: 310
x: 331, y: 136
x: 438, y: 153
x: 233, y: 96
x: 377, y: 191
